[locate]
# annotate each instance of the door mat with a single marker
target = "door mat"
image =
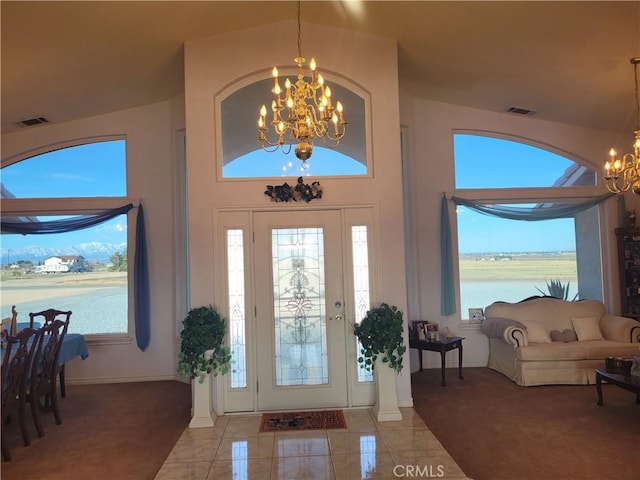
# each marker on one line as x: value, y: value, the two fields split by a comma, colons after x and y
x: 317, y: 420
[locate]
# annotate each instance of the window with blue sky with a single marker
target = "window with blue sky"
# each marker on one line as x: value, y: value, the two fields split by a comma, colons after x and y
x: 85, y: 271
x: 510, y: 260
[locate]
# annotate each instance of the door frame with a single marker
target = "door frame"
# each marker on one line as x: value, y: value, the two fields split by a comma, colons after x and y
x: 246, y: 399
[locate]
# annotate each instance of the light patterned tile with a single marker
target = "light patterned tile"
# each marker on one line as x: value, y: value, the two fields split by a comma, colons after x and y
x: 184, y: 471
x: 243, y: 448
x: 410, y: 419
x: 316, y: 467
x: 244, y: 426
x: 440, y: 465
x: 411, y: 440
x: 234, y: 449
x: 241, y: 469
x: 355, y: 466
x: 360, y: 421
x: 305, y: 443
x: 342, y: 443
x: 195, y: 445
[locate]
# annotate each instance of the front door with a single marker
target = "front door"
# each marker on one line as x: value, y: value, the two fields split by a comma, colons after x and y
x: 300, y: 296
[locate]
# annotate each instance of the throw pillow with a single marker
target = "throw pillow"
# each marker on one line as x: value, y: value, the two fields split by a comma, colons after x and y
x: 536, y: 332
x: 587, y: 328
x: 567, y: 335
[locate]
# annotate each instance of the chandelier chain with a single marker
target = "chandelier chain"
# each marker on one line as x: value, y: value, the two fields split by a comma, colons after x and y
x: 622, y: 173
x: 301, y: 111
x: 300, y: 39
x: 635, y: 77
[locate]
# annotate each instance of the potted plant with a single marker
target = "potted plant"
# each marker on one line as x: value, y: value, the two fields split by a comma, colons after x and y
x: 202, y: 354
x: 382, y: 349
x: 202, y: 351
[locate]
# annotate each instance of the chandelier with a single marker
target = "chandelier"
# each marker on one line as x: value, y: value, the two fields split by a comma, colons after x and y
x: 301, y: 113
x: 622, y: 174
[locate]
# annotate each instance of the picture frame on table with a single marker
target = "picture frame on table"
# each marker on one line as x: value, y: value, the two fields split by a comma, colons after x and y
x: 476, y: 315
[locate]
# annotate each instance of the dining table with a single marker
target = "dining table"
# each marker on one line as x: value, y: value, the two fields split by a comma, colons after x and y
x: 73, y: 345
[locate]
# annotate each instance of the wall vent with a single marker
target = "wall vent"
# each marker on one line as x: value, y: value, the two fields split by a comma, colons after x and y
x: 33, y: 121
x: 520, y: 111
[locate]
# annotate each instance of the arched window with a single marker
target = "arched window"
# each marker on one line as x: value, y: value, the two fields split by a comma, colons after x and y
x: 510, y: 260
x: 242, y: 156
x: 85, y: 271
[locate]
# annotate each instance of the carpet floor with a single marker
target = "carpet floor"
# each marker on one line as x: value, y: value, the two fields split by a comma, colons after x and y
x: 119, y: 431
x: 497, y: 430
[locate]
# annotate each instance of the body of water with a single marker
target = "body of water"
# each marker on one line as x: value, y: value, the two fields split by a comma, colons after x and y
x: 101, y: 311
x: 482, y: 293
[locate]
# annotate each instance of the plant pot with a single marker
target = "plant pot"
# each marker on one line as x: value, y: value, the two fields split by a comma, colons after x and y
x: 202, y: 415
x: 386, y: 407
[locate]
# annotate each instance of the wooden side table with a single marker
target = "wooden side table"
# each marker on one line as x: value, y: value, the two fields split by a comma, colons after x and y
x: 442, y: 346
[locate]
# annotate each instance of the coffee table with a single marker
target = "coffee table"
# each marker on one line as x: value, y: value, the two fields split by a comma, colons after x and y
x: 628, y: 382
x: 442, y: 346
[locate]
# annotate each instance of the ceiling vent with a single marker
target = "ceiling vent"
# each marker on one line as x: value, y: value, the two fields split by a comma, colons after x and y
x: 520, y: 111
x: 33, y: 121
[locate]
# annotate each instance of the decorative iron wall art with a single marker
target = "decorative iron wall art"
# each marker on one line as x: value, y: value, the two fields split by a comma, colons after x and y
x: 301, y: 192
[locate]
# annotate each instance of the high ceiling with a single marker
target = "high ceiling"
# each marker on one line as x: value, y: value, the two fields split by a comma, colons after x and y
x: 568, y: 61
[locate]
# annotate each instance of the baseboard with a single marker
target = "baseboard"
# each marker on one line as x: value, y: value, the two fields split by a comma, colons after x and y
x: 95, y: 381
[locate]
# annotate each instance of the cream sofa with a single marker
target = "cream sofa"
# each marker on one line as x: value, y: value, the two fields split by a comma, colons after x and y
x: 545, y: 340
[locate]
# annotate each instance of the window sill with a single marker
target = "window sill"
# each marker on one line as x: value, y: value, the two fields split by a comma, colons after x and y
x: 108, y: 339
x: 470, y: 326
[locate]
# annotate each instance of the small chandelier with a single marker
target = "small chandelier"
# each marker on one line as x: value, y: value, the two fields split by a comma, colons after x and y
x: 309, y: 113
x: 622, y: 174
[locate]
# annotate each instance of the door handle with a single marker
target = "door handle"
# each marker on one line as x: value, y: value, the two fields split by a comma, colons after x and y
x: 338, y: 317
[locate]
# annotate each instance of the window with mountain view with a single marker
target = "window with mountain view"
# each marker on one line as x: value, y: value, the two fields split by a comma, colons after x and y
x: 510, y: 260
x: 85, y: 271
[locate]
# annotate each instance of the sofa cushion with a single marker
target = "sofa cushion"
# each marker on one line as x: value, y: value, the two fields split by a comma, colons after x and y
x: 608, y: 348
x: 567, y: 335
x: 536, y: 332
x: 587, y: 328
x: 552, y: 351
x: 554, y: 313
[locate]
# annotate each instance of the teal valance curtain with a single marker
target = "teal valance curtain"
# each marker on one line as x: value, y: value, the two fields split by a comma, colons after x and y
x: 140, y: 273
x: 529, y: 214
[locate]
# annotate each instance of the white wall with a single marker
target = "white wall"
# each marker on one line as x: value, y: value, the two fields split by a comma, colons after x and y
x: 371, y: 62
x: 149, y: 135
x: 432, y: 125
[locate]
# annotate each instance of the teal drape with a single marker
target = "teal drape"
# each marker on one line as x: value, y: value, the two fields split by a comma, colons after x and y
x: 447, y: 294
x: 529, y: 214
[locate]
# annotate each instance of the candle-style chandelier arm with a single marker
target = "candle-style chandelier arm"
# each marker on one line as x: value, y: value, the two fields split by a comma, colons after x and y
x: 623, y: 173
x: 303, y: 110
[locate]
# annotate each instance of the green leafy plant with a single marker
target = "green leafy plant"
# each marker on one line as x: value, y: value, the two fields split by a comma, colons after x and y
x: 204, y: 329
x: 380, y: 333
x: 556, y: 289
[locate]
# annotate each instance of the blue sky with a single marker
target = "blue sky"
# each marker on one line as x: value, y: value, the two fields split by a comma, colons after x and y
x: 486, y: 162
x: 99, y: 170
x: 323, y: 162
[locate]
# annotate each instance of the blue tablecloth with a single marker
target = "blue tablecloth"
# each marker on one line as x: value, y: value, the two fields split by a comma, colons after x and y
x: 21, y: 325
x: 73, y: 345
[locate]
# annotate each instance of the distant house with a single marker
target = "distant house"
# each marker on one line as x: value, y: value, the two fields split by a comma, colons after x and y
x: 63, y: 264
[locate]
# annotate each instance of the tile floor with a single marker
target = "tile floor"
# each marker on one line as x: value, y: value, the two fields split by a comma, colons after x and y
x: 366, y: 449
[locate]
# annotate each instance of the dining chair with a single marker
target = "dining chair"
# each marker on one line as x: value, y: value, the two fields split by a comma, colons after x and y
x: 45, y: 368
x: 48, y: 316
x: 16, y: 365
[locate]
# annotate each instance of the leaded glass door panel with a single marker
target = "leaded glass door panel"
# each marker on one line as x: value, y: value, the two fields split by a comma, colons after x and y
x: 300, y: 310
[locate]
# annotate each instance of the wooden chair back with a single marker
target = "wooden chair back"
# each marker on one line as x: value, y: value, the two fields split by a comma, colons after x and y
x: 44, y: 372
x: 48, y: 316
x: 16, y: 365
